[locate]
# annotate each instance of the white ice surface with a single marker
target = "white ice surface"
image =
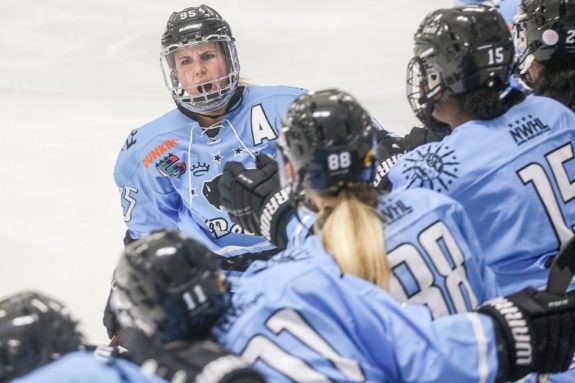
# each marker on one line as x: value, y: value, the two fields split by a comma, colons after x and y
x: 76, y: 76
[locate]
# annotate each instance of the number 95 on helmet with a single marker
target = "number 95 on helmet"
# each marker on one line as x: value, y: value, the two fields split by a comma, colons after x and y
x: 199, y: 59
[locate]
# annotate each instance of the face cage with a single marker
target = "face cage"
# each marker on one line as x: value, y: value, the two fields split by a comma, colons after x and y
x: 422, y: 85
x: 523, y: 52
x: 222, y: 89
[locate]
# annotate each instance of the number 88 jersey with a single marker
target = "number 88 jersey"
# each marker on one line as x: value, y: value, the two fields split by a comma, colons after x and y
x: 433, y: 252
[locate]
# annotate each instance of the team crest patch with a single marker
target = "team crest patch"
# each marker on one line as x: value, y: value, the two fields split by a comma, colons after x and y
x: 170, y: 166
x: 433, y: 167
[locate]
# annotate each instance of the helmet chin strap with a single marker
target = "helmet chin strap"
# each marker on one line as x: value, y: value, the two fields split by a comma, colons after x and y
x: 232, y: 105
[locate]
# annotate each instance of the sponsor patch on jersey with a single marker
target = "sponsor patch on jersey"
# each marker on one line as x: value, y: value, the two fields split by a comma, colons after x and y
x: 170, y: 165
x: 158, y: 151
x: 433, y: 166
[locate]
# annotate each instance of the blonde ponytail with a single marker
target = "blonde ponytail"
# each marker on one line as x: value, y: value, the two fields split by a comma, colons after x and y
x: 352, y: 233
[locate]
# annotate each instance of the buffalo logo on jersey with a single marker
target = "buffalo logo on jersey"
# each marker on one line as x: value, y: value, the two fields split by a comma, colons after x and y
x: 212, y: 193
x: 526, y: 128
x: 169, y: 166
x: 432, y: 166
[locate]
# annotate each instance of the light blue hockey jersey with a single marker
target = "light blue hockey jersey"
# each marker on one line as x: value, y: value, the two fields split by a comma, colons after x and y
x: 298, y: 318
x: 86, y: 367
x: 168, y: 170
x: 507, y: 8
x: 432, y: 249
x: 515, y: 176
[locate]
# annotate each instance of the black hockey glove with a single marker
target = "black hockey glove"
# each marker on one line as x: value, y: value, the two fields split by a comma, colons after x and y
x: 109, y: 320
x: 535, y: 332
x: 389, y: 149
x: 255, y: 200
x: 198, y: 361
x: 433, y: 131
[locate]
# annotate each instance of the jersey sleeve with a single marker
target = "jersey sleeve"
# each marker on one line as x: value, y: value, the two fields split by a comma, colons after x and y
x: 458, y: 348
x: 299, y: 227
x: 148, y: 202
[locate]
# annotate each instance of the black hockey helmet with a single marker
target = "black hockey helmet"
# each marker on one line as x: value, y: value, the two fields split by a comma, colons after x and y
x: 194, y: 26
x: 34, y: 330
x: 328, y: 138
x: 458, y: 50
x: 169, y: 286
x: 543, y: 30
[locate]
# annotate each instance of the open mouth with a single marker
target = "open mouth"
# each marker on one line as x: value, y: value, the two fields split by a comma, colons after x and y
x: 205, y: 88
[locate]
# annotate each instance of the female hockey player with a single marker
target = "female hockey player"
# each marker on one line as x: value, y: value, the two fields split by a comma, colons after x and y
x: 168, y: 169
x: 305, y: 315
x: 509, y: 160
x: 430, y: 244
x: 544, y: 35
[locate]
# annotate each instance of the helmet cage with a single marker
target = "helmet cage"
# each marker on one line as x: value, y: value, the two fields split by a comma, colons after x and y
x: 543, y: 30
x: 456, y: 51
x: 423, y: 82
x: 212, y: 94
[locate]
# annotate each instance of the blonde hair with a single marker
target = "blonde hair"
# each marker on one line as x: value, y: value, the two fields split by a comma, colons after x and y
x: 351, y: 231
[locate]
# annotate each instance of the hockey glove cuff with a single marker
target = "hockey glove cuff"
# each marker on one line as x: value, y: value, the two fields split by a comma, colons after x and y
x: 388, y: 151
x: 535, y: 332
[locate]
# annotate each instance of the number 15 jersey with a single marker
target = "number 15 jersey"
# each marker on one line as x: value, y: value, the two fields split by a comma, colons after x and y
x: 515, y: 177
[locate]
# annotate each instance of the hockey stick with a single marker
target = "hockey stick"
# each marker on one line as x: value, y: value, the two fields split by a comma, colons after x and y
x: 562, y: 269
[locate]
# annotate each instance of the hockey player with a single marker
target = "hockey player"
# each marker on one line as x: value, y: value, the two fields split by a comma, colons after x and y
x: 430, y: 244
x: 509, y: 162
x: 168, y: 169
x: 34, y: 330
x: 40, y: 342
x: 304, y: 316
x: 170, y: 288
x: 544, y: 35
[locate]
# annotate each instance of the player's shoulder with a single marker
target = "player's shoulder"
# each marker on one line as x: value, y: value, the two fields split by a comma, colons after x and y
x: 403, y: 208
x: 282, y: 270
x: 259, y: 93
x: 167, y: 125
x: 537, y: 115
x: 156, y: 137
